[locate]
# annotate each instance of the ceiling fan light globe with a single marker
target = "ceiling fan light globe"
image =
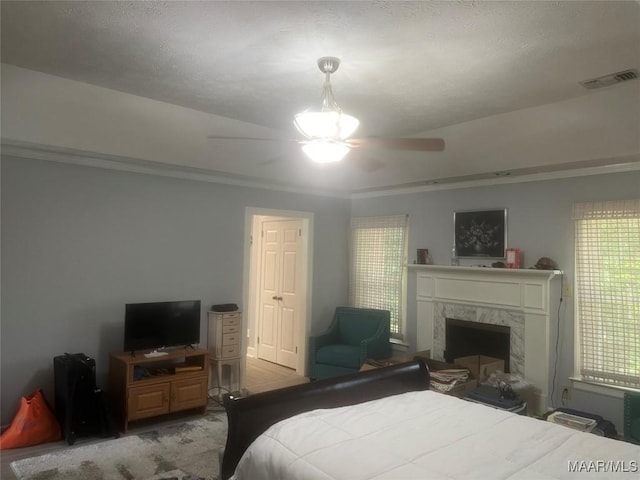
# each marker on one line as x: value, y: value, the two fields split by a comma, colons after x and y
x: 348, y: 125
x: 328, y: 125
x: 322, y: 151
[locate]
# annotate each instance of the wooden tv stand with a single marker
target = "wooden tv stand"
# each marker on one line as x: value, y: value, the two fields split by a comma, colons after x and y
x: 144, y: 387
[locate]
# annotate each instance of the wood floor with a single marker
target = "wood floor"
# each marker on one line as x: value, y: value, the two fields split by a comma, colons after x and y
x: 261, y: 376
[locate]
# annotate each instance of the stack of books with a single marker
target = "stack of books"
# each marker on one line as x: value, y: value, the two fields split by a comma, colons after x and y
x: 445, y: 380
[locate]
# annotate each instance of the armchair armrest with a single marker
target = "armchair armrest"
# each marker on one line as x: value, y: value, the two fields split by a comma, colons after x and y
x: 377, y: 346
x: 317, y: 342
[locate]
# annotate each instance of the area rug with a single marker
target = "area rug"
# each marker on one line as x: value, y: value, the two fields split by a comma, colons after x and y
x: 184, y: 451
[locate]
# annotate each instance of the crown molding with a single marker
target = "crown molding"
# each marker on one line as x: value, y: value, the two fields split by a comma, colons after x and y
x: 128, y: 164
x: 35, y: 151
x: 624, y: 164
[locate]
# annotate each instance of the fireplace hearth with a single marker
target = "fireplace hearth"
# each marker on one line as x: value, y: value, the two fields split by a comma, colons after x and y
x: 464, y: 338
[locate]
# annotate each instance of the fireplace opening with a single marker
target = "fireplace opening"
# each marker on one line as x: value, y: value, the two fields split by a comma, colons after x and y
x: 463, y: 338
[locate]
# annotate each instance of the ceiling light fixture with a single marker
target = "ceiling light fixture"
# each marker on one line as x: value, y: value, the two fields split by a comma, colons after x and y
x: 327, y: 129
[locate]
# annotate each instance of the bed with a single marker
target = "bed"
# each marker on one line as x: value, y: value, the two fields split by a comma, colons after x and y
x: 387, y: 424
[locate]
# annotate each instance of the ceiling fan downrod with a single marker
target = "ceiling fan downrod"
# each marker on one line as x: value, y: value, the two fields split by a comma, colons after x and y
x: 329, y: 65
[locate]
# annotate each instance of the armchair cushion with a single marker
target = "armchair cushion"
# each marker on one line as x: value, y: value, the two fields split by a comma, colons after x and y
x: 346, y: 356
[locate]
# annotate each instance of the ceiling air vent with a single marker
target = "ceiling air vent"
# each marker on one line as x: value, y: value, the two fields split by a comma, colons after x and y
x: 610, y: 79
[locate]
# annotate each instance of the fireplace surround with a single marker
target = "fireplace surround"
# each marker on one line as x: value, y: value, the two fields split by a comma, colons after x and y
x: 481, y: 315
x: 523, y: 300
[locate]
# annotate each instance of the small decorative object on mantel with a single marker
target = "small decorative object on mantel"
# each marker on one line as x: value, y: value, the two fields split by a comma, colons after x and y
x: 513, y: 258
x: 454, y: 259
x: 498, y: 265
x: 424, y: 257
x: 545, y: 263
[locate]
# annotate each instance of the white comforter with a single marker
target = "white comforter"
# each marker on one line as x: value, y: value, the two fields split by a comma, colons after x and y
x: 428, y: 435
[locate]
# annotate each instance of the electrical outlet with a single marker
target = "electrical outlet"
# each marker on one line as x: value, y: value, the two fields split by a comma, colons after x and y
x: 566, y: 392
x: 248, y: 333
x: 567, y: 290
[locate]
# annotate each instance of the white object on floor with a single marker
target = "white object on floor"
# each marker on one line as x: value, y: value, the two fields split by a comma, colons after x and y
x: 572, y: 421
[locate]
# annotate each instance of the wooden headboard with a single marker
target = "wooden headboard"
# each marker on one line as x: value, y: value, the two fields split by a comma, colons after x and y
x: 250, y: 416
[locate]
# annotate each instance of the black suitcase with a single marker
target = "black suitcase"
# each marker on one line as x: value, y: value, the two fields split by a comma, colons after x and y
x: 80, y: 405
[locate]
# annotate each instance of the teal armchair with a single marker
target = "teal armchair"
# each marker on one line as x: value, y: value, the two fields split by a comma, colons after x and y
x: 355, y: 334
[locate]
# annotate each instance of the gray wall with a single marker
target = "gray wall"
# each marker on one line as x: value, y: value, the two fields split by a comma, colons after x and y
x: 539, y: 223
x: 80, y: 242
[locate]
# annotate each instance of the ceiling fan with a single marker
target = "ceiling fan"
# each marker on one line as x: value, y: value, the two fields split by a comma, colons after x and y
x: 327, y: 132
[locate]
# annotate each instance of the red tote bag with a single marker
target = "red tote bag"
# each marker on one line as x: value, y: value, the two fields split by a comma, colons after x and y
x: 33, y: 424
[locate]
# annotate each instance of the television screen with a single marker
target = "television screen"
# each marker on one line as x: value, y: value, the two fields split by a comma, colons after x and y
x: 161, y: 324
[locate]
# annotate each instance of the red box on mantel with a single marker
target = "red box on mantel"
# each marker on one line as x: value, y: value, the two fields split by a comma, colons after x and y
x: 513, y: 258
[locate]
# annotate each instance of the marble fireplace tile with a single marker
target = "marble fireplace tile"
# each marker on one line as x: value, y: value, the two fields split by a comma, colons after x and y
x: 506, y: 318
x: 438, y: 332
x: 517, y: 350
x: 461, y: 312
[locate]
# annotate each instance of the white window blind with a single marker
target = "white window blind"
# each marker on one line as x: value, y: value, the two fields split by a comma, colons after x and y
x: 607, y: 236
x: 378, y: 272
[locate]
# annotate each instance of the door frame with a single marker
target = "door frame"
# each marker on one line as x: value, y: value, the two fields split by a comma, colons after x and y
x: 253, y: 218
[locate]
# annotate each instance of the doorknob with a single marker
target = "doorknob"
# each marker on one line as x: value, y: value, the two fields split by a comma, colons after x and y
x: 276, y: 298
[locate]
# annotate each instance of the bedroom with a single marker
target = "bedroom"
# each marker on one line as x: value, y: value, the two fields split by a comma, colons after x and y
x: 80, y: 239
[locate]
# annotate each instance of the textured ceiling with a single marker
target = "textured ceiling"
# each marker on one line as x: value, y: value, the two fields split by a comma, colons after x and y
x: 407, y: 67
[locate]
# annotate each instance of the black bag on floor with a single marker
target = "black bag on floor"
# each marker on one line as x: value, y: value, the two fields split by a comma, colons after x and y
x: 81, y: 407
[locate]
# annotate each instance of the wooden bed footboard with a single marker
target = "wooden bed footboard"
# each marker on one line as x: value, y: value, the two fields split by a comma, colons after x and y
x: 250, y: 416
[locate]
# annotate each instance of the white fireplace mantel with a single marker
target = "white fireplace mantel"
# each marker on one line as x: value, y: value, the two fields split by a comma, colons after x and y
x: 497, y: 296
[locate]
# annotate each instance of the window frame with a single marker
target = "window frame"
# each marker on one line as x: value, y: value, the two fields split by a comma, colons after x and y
x: 610, y: 211
x: 387, y: 221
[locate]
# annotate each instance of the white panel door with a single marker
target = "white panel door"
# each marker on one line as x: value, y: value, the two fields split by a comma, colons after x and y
x: 270, y: 283
x: 289, y: 293
x: 280, y: 292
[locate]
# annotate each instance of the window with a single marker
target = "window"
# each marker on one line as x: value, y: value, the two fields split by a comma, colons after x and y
x: 607, y: 236
x: 378, y: 274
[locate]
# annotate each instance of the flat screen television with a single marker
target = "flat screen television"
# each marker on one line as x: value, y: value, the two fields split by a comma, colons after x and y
x: 161, y: 324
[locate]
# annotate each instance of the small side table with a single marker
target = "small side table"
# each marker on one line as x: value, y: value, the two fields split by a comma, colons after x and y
x: 219, y: 363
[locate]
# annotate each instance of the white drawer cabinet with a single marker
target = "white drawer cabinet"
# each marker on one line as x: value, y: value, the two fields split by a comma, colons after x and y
x: 225, y: 329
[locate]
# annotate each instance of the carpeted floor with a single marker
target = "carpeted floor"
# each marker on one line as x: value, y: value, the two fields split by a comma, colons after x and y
x: 182, y: 451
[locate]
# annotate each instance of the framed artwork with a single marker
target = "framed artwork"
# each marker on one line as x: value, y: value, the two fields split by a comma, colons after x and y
x: 480, y: 233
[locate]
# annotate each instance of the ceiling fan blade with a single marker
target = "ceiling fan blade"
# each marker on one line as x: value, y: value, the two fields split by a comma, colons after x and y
x: 413, y: 144
x: 263, y: 139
